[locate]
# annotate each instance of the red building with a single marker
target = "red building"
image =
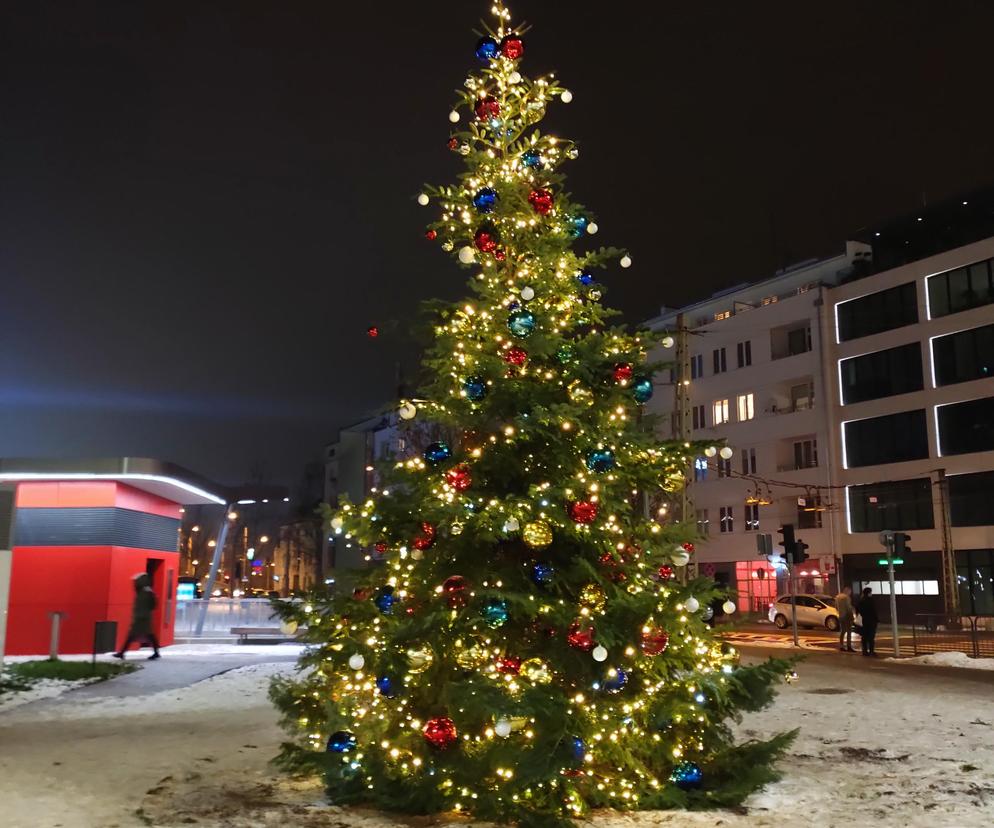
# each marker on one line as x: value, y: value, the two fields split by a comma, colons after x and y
x: 82, y: 530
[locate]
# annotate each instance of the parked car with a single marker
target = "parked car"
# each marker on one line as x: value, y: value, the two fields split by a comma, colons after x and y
x: 812, y: 611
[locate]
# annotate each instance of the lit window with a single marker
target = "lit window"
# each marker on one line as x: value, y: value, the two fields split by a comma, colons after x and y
x: 746, y: 406
x: 722, y: 315
x: 720, y: 412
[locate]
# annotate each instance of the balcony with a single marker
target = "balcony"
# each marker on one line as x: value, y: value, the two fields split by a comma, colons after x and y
x: 790, y: 340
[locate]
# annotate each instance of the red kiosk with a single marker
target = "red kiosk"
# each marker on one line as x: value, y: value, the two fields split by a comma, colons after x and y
x: 82, y: 530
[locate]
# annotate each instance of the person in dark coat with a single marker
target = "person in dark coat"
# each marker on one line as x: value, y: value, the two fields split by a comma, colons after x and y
x: 140, y: 631
x: 868, y: 612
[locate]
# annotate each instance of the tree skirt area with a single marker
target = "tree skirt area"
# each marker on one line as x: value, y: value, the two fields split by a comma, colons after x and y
x: 885, y: 745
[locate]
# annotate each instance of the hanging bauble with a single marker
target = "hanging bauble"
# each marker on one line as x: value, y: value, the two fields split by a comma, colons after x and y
x: 467, y: 255
x: 485, y: 200
x: 599, y: 653
x: 456, y: 527
x: 387, y: 687
x: 509, y: 664
x: 680, y: 557
x: 542, y: 573
x: 615, y: 681
x: 475, y: 388
x: 423, y: 199
x: 453, y: 142
x: 729, y: 607
x: 381, y: 547
x: 514, y: 77
x: 592, y: 597
x: 582, y: 511
x: 385, y: 599
x: 600, y: 460
x: 512, y: 47
x: 726, y: 452
x: 592, y: 228
x: 687, y: 775
x: 585, y: 278
x: 372, y: 332
x: 579, y: 393
x: 594, y: 295
x: 578, y: 749
x: 537, y: 534
x: 437, y: 453
x: 688, y: 547
x: 486, y: 239
x: 487, y: 108
x: 459, y: 477
x: 566, y: 96
x: 531, y: 158
x: 527, y: 293
x: 692, y: 604
x: 626, y: 261
x: 440, y: 732
x: 454, y: 116
x: 581, y: 638
x: 511, y: 525
x: 654, y: 641
x: 360, y: 594
x: 356, y: 661
x: 500, y: 254
x: 541, y: 201
x: 536, y: 671
x: 487, y: 49
x: 666, y: 573
x: 337, y: 523
x: 419, y: 659
x: 521, y: 323
x: 622, y: 372
x: 431, y: 235
x: 515, y: 356
x: 642, y: 389
x: 502, y: 727
x: 564, y: 354
x: 425, y: 539
x: 341, y: 742
x: 473, y: 656
x: 454, y: 589
x: 407, y: 411
x: 578, y: 226
x: 708, y: 613
x: 494, y: 612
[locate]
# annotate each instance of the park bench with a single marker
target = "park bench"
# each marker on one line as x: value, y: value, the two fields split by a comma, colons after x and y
x: 275, y: 633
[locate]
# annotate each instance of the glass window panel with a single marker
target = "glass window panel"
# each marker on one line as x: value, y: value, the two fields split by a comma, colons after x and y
x: 930, y: 587
x: 911, y: 588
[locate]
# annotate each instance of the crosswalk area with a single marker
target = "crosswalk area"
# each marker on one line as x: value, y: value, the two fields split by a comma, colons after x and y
x: 810, y: 641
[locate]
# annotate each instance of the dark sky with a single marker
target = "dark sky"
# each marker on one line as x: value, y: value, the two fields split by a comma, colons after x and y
x: 204, y: 204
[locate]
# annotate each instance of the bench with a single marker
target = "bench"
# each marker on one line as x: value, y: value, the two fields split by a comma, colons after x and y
x: 245, y: 633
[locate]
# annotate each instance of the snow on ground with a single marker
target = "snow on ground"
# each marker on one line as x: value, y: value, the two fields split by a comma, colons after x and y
x: 949, y: 660
x: 39, y: 690
x: 184, y: 650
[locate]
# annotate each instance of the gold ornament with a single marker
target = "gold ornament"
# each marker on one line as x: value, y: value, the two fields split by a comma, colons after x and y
x: 593, y: 598
x: 535, y: 671
x: 419, y: 659
x: 537, y: 534
x: 579, y: 394
x: 472, y: 655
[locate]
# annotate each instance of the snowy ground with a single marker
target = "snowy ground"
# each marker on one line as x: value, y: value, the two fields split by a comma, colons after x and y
x: 881, y: 744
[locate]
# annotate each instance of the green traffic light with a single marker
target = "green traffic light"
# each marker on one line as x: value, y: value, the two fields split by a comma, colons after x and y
x: 883, y: 561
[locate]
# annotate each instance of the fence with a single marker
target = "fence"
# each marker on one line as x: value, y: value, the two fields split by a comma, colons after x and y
x: 971, y: 634
x: 223, y: 614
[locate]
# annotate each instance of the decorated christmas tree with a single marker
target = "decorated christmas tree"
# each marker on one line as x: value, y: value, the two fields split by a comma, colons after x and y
x: 531, y: 646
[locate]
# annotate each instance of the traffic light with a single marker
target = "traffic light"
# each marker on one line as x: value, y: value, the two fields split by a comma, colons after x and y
x: 800, y: 551
x: 901, y: 544
x: 787, y: 533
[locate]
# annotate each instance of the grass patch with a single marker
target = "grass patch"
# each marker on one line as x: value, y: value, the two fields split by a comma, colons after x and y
x: 19, y: 677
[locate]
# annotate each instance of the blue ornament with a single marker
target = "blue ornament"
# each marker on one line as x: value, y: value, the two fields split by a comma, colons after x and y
x: 579, y: 749
x: 616, y: 683
x: 521, y: 323
x: 494, y: 612
x: 600, y: 460
x: 385, y: 685
x: 531, y: 158
x: 475, y: 388
x: 642, y: 389
x: 578, y: 226
x: 341, y: 742
x: 485, y: 200
x: 437, y: 453
x: 514, y: 306
x: 542, y: 573
x: 687, y: 775
x: 385, y: 600
x: 585, y: 278
x: 487, y: 48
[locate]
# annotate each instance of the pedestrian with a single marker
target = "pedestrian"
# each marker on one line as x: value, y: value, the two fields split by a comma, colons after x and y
x: 868, y: 612
x: 843, y: 605
x: 140, y: 631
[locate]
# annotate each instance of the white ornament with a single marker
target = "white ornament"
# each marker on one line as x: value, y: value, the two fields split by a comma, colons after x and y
x: 423, y: 199
x: 680, y: 558
x: 514, y: 77
x: 454, y: 116
x: 407, y: 411
x: 728, y: 607
x: 592, y: 228
x: 356, y: 662
x: 710, y: 451
x: 466, y: 255
x: 337, y: 523
x: 527, y: 293
x: 668, y: 342
x: 692, y: 604
x: 511, y: 525
x: 417, y: 554
x: 726, y: 452
x: 599, y: 653
x: 626, y: 261
x: 503, y: 728
x: 566, y: 97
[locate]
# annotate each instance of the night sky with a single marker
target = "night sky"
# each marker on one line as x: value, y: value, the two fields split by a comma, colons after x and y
x: 204, y: 204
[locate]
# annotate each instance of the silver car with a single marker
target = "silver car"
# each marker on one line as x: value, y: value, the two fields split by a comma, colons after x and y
x: 812, y: 611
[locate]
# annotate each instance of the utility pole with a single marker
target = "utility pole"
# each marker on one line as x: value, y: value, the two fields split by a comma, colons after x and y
x: 950, y: 588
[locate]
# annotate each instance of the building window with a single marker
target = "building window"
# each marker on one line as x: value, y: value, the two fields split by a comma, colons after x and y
x: 897, y: 505
x: 724, y: 468
x: 727, y: 521
x: 700, y: 469
x: 966, y: 427
x: 697, y: 366
x: 718, y: 317
x: 881, y: 374
x: 882, y: 311
x: 749, y: 461
x: 790, y: 340
x: 770, y: 300
x: 805, y: 454
x: 698, y: 417
x: 970, y: 501
x: 752, y: 517
x: 720, y: 411
x: 746, y: 407
x: 809, y: 511
x: 964, y: 356
x: 720, y: 363
x: 894, y: 438
x: 744, y: 350
x: 961, y: 289
x: 703, y: 524
x: 975, y: 573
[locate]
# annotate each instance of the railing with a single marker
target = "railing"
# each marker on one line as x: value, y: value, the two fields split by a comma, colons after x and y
x: 800, y: 405
x: 223, y: 614
x: 970, y: 634
x: 789, y: 467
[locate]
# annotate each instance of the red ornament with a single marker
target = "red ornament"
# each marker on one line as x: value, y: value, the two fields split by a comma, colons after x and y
x: 372, y: 332
x: 515, y: 356
x: 381, y: 547
x: 360, y: 594
x: 654, y: 641
x: 541, y: 201
x: 499, y: 254
x: 454, y: 589
x: 582, y: 511
x: 612, y: 564
x: 459, y: 478
x: 485, y: 240
x: 688, y: 547
x: 622, y: 372
x: 666, y: 573
x: 509, y: 664
x: 426, y: 538
x: 440, y: 732
x: 487, y: 108
x: 453, y: 143
x: 431, y: 235
x: 512, y: 47
x: 581, y: 639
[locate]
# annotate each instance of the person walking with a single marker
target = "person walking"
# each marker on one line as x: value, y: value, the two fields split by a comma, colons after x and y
x: 140, y: 631
x: 843, y: 605
x: 868, y: 612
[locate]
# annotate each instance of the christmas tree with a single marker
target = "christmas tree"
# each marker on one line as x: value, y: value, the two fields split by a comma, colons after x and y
x: 531, y: 647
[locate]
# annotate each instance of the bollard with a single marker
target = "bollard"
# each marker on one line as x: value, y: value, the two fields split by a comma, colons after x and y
x: 53, y: 641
